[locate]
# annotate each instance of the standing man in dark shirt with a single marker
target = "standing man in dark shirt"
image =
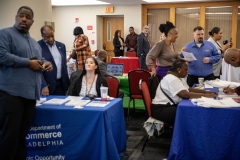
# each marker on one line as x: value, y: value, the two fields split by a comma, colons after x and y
x: 20, y: 80
x: 131, y: 41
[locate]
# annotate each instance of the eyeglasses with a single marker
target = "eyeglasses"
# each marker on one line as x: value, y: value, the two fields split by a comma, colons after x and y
x: 146, y: 28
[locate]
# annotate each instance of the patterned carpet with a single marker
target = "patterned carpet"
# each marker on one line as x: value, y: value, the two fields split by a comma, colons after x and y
x: 157, y: 148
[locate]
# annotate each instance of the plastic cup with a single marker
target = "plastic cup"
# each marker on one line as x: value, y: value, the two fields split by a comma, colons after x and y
x: 104, y: 93
x: 200, y: 81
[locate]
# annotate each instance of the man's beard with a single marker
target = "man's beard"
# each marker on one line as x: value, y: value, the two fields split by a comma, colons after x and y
x: 105, y: 60
x: 200, y: 40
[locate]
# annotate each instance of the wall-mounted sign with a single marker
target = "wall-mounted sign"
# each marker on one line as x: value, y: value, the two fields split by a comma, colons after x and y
x: 89, y: 27
x: 109, y: 9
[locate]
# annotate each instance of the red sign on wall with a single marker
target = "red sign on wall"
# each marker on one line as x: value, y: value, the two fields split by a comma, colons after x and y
x: 109, y: 9
x: 89, y: 27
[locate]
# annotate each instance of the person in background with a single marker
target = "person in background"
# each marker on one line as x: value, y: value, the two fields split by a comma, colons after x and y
x: 81, y: 49
x: 206, y: 54
x: 163, y: 51
x: 143, y: 47
x: 118, y: 43
x: 232, y: 57
x: 101, y: 59
x: 175, y: 86
x: 21, y: 68
x: 90, y: 81
x: 102, y: 65
x: 56, y: 82
x: 131, y: 40
x: 215, y: 36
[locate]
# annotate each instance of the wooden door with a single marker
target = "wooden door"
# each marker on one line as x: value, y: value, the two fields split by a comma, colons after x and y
x: 110, y: 25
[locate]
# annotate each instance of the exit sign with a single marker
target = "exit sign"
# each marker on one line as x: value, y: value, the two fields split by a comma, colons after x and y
x: 109, y: 9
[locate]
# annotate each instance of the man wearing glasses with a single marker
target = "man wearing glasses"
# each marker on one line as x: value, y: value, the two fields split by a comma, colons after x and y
x: 143, y: 47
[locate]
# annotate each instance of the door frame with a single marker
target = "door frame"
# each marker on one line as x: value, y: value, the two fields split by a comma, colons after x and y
x: 100, y: 31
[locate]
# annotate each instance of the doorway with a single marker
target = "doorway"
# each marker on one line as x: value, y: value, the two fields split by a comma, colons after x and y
x: 110, y: 25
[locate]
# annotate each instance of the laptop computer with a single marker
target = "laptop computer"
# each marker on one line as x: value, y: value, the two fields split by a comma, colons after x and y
x: 115, y: 69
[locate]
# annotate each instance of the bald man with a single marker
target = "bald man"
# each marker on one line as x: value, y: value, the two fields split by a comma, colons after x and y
x: 143, y: 47
x: 232, y: 57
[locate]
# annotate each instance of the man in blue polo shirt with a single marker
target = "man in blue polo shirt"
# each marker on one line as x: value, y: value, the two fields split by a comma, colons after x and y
x: 206, y: 54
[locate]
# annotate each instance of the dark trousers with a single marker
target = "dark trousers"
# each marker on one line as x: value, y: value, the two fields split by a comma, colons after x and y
x: 191, y: 80
x: 165, y: 113
x: 142, y: 61
x: 118, y: 54
x: 16, y: 115
x: 59, y: 90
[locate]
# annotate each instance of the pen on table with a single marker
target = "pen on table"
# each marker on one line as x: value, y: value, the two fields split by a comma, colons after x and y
x: 225, y: 89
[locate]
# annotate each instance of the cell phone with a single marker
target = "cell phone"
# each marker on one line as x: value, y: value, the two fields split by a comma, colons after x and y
x: 230, y: 46
x: 225, y: 42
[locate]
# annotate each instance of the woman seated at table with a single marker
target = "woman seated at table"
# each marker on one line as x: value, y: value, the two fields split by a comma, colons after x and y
x: 89, y: 83
x: 175, y: 86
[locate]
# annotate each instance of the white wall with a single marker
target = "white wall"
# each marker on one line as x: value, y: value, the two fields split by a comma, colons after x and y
x: 42, y: 12
x: 64, y: 18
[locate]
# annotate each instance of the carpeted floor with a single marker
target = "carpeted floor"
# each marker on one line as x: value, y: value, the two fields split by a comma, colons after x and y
x: 157, y: 148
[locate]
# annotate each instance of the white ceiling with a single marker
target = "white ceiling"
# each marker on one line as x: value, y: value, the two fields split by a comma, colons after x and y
x: 121, y: 2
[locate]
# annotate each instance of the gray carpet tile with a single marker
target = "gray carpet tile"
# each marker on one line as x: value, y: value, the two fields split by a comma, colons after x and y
x: 157, y: 148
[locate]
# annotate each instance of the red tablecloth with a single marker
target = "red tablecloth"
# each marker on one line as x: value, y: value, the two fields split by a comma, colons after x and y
x: 130, y: 63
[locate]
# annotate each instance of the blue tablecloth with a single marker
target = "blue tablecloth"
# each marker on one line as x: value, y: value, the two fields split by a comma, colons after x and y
x: 205, y: 133
x: 91, y: 133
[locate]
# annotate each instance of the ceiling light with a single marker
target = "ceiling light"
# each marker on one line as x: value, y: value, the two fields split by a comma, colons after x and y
x: 76, y: 2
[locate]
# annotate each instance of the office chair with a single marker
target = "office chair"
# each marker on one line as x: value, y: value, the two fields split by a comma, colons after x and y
x: 147, y: 103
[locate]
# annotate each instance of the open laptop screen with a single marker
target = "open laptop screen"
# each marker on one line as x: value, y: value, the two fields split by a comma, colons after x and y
x: 115, y: 69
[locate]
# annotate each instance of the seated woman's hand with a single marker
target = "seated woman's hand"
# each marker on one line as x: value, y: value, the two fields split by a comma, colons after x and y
x: 210, y: 92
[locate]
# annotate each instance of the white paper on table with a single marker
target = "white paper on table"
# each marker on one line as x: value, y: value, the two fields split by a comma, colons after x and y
x: 221, y: 83
x: 212, y: 103
x: 41, y: 100
x: 78, y: 107
x: 56, y: 101
x: 77, y: 102
x: 73, y: 98
x: 207, y: 86
x: 224, y: 95
x: 97, y: 104
x: 188, y: 56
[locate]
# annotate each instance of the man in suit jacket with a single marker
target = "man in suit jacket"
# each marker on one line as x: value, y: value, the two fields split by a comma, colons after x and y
x: 56, y: 82
x: 143, y: 47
